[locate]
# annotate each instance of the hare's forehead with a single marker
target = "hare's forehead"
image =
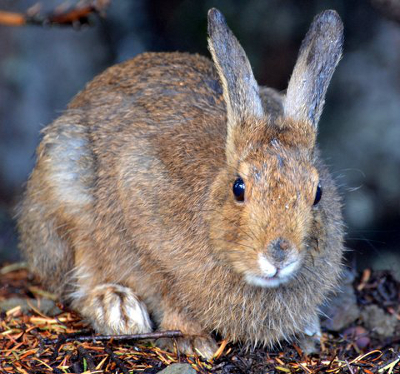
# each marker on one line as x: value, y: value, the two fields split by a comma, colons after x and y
x: 287, y: 164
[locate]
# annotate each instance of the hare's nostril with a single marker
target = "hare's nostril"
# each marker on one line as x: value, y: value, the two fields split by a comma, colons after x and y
x: 278, y: 249
x: 283, y: 244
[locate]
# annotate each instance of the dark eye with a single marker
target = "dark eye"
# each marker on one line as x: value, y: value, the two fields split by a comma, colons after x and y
x: 318, y: 195
x: 238, y: 189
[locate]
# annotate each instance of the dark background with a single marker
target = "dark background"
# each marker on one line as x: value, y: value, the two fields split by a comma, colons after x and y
x: 42, y: 68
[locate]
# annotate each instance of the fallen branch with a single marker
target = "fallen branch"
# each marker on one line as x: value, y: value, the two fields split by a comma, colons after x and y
x: 75, y: 17
x: 85, y: 338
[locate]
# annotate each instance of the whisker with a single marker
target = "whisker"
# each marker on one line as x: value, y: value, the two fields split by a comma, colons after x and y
x: 366, y: 240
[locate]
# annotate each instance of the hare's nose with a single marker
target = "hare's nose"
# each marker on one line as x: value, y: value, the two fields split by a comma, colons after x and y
x: 278, y: 249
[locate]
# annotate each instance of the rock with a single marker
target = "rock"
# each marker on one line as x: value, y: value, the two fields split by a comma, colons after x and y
x: 381, y: 324
x: 46, y: 306
x: 178, y: 369
x: 342, y: 308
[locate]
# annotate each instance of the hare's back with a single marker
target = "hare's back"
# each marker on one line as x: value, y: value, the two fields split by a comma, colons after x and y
x: 171, y: 98
x: 162, y: 89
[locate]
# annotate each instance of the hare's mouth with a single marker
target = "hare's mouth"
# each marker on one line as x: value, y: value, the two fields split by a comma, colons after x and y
x: 267, y: 282
x: 272, y: 276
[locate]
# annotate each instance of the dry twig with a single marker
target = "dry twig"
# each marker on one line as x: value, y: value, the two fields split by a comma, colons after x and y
x: 102, y: 338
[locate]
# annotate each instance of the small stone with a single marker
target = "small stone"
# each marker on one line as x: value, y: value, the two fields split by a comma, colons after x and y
x: 378, y: 322
x: 342, y: 309
x: 178, y: 369
x: 46, y: 306
x: 359, y: 335
x: 12, y: 303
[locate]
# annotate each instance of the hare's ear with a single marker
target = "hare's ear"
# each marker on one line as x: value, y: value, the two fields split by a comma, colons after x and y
x: 319, y: 54
x: 240, y: 89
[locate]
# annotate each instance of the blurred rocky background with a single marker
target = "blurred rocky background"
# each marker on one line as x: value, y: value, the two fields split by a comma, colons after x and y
x: 41, y: 68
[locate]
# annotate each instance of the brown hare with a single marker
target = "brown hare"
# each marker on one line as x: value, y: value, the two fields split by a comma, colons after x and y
x: 175, y: 193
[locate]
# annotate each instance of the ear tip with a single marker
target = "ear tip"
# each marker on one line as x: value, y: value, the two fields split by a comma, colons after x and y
x: 215, y: 14
x: 215, y: 19
x: 330, y: 14
x: 329, y: 20
x: 327, y: 26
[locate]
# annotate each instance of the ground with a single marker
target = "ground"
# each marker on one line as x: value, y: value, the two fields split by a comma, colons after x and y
x: 39, y: 335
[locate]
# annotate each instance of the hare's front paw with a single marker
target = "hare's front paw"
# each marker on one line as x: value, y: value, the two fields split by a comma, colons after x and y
x: 310, y: 342
x: 114, y: 309
x: 204, y: 346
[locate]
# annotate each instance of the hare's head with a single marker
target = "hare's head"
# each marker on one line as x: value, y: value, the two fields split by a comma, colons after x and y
x: 266, y: 200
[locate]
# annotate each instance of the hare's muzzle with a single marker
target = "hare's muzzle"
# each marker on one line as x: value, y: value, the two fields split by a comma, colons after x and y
x: 276, y: 265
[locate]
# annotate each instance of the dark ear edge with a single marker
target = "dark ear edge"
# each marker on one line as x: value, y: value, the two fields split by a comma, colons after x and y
x: 319, y: 55
x: 240, y: 89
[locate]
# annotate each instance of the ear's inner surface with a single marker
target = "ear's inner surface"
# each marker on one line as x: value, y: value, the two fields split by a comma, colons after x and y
x: 319, y: 55
x: 240, y: 89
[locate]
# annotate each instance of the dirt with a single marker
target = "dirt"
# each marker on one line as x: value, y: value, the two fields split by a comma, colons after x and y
x: 40, y: 335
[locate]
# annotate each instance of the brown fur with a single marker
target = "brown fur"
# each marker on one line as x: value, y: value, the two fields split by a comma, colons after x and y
x: 133, y: 187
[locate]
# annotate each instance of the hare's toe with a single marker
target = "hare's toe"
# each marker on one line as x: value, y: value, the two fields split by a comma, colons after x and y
x: 314, y: 328
x: 204, y: 346
x: 114, y: 309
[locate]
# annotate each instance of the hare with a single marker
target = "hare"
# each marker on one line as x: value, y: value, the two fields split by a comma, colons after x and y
x: 175, y: 193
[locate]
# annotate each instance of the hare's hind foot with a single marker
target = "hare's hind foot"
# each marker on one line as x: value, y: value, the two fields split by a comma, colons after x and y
x: 195, y: 341
x: 204, y: 346
x: 114, y: 309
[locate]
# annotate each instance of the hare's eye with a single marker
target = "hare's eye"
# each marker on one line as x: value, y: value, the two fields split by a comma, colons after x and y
x: 238, y: 189
x: 318, y: 195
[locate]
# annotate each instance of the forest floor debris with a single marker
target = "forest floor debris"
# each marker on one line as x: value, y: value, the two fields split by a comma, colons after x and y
x: 41, y: 340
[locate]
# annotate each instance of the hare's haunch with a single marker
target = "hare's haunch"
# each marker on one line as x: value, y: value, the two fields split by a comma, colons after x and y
x: 175, y: 193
